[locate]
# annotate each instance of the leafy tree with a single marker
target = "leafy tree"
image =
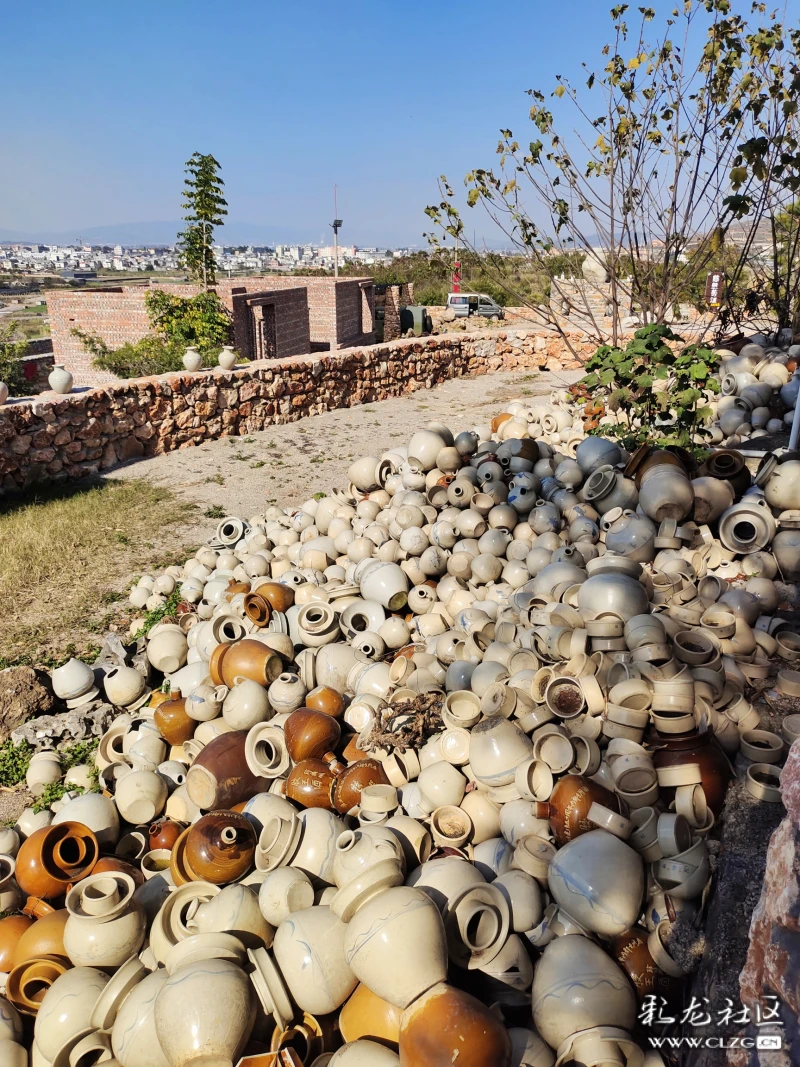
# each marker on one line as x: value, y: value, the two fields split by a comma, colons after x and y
x: 678, y: 135
x: 205, y: 208
x: 201, y: 320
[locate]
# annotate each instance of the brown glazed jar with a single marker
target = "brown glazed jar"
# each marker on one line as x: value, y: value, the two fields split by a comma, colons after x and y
x: 310, y: 734
x: 164, y: 833
x: 326, y: 700
x: 280, y: 597
x: 715, y: 771
x: 257, y: 609
x: 220, y: 777
x: 446, y: 1026
x: 220, y: 847
x: 114, y: 865
x: 28, y: 983
x: 347, y: 790
x: 630, y: 951
x: 247, y: 658
x: 173, y: 723
x: 310, y: 783
x: 53, y: 857
x: 569, y: 803
x: 11, y: 930
x: 44, y: 938
x: 367, y: 1015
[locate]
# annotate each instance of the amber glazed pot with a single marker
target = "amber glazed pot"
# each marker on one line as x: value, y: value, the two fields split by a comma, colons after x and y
x: 114, y: 865
x: 173, y: 723
x: 446, y: 1026
x: 220, y: 777
x: 347, y: 790
x: 325, y: 699
x: 44, y: 938
x: 630, y: 951
x: 247, y: 658
x: 715, y: 771
x: 257, y: 609
x: 28, y: 983
x: 280, y: 597
x: 310, y: 734
x: 11, y: 930
x: 164, y: 833
x: 310, y: 783
x: 53, y: 857
x: 568, y: 807
x: 367, y: 1015
x: 220, y: 847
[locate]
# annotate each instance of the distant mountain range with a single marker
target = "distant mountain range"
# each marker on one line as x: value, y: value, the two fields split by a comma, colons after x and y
x: 137, y: 234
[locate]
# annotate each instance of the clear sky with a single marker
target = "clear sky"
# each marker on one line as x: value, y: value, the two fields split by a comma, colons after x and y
x: 103, y: 102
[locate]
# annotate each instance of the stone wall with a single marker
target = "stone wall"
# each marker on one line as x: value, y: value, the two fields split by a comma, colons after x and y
x: 61, y: 438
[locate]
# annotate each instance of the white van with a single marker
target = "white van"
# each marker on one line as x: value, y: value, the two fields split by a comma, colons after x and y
x: 474, y: 304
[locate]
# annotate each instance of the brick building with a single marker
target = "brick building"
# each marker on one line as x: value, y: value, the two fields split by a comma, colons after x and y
x: 273, y: 317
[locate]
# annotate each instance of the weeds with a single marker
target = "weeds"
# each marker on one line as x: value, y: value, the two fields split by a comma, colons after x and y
x: 216, y: 511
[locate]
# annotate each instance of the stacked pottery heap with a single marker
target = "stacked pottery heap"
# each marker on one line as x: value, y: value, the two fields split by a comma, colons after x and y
x: 435, y: 772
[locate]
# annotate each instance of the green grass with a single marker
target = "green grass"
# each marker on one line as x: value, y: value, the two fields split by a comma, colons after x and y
x: 64, y: 555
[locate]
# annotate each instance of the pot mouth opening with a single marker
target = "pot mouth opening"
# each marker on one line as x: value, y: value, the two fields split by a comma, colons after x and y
x: 266, y: 753
x: 744, y: 531
x: 35, y: 989
x: 481, y: 929
x: 345, y: 841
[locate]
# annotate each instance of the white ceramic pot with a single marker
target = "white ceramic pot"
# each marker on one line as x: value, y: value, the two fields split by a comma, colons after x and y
x: 599, y: 880
x: 309, y: 949
x: 577, y: 986
x: 192, y: 360
x: 60, y: 379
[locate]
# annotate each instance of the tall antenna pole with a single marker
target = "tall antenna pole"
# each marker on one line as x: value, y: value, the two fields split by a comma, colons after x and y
x: 337, y: 222
x: 335, y: 235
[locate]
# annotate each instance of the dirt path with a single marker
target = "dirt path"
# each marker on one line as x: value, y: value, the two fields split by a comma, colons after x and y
x: 286, y: 464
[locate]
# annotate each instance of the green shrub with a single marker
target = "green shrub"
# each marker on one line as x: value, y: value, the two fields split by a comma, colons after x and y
x: 140, y: 359
x: 11, y: 352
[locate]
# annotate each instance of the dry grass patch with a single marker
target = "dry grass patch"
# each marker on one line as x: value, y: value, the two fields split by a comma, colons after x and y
x: 67, y: 556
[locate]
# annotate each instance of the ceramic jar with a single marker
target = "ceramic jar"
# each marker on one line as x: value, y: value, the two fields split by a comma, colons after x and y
x: 497, y: 747
x: 53, y: 857
x: 446, y: 1025
x: 748, y: 526
x: 192, y: 360
x: 311, y: 783
x: 173, y: 723
x: 106, y: 926
x: 703, y: 750
x: 665, y: 492
x: 577, y: 986
x: 134, y: 1041
x: 220, y: 847
x: 283, y: 891
x: 310, y: 734
x: 124, y: 685
x: 245, y: 705
x: 227, y: 357
x: 568, y: 807
x: 599, y: 881
x: 60, y: 379
x: 3, y: 393
x: 612, y: 594
x: 349, y: 783
x: 140, y: 796
x: 309, y: 950
x: 204, y: 1013
x: 247, y: 658
x: 65, y: 1010
x: 219, y: 777
x: 396, y: 945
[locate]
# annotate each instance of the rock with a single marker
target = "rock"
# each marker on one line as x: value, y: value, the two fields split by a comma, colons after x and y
x: 79, y: 724
x: 24, y: 695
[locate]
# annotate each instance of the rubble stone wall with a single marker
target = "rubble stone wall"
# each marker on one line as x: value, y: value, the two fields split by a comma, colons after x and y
x: 54, y: 438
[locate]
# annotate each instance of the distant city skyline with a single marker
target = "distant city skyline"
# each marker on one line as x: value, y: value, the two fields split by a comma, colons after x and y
x: 104, y: 105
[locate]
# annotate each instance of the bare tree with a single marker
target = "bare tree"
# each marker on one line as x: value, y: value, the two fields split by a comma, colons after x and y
x: 665, y: 147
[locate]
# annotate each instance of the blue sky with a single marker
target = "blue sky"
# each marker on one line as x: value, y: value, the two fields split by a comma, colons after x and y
x: 103, y: 103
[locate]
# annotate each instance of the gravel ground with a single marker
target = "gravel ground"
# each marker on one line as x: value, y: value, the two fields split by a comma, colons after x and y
x: 286, y: 464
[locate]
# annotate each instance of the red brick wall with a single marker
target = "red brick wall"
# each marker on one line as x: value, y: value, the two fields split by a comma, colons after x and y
x: 119, y: 315
x: 291, y: 321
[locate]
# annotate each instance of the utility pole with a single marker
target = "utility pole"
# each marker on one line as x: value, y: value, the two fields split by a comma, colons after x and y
x: 336, y: 225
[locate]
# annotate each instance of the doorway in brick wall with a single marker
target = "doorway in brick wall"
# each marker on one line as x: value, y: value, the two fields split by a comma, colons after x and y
x: 268, y: 347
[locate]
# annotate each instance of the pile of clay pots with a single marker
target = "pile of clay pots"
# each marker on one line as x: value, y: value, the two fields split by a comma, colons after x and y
x: 757, y: 388
x: 420, y: 773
